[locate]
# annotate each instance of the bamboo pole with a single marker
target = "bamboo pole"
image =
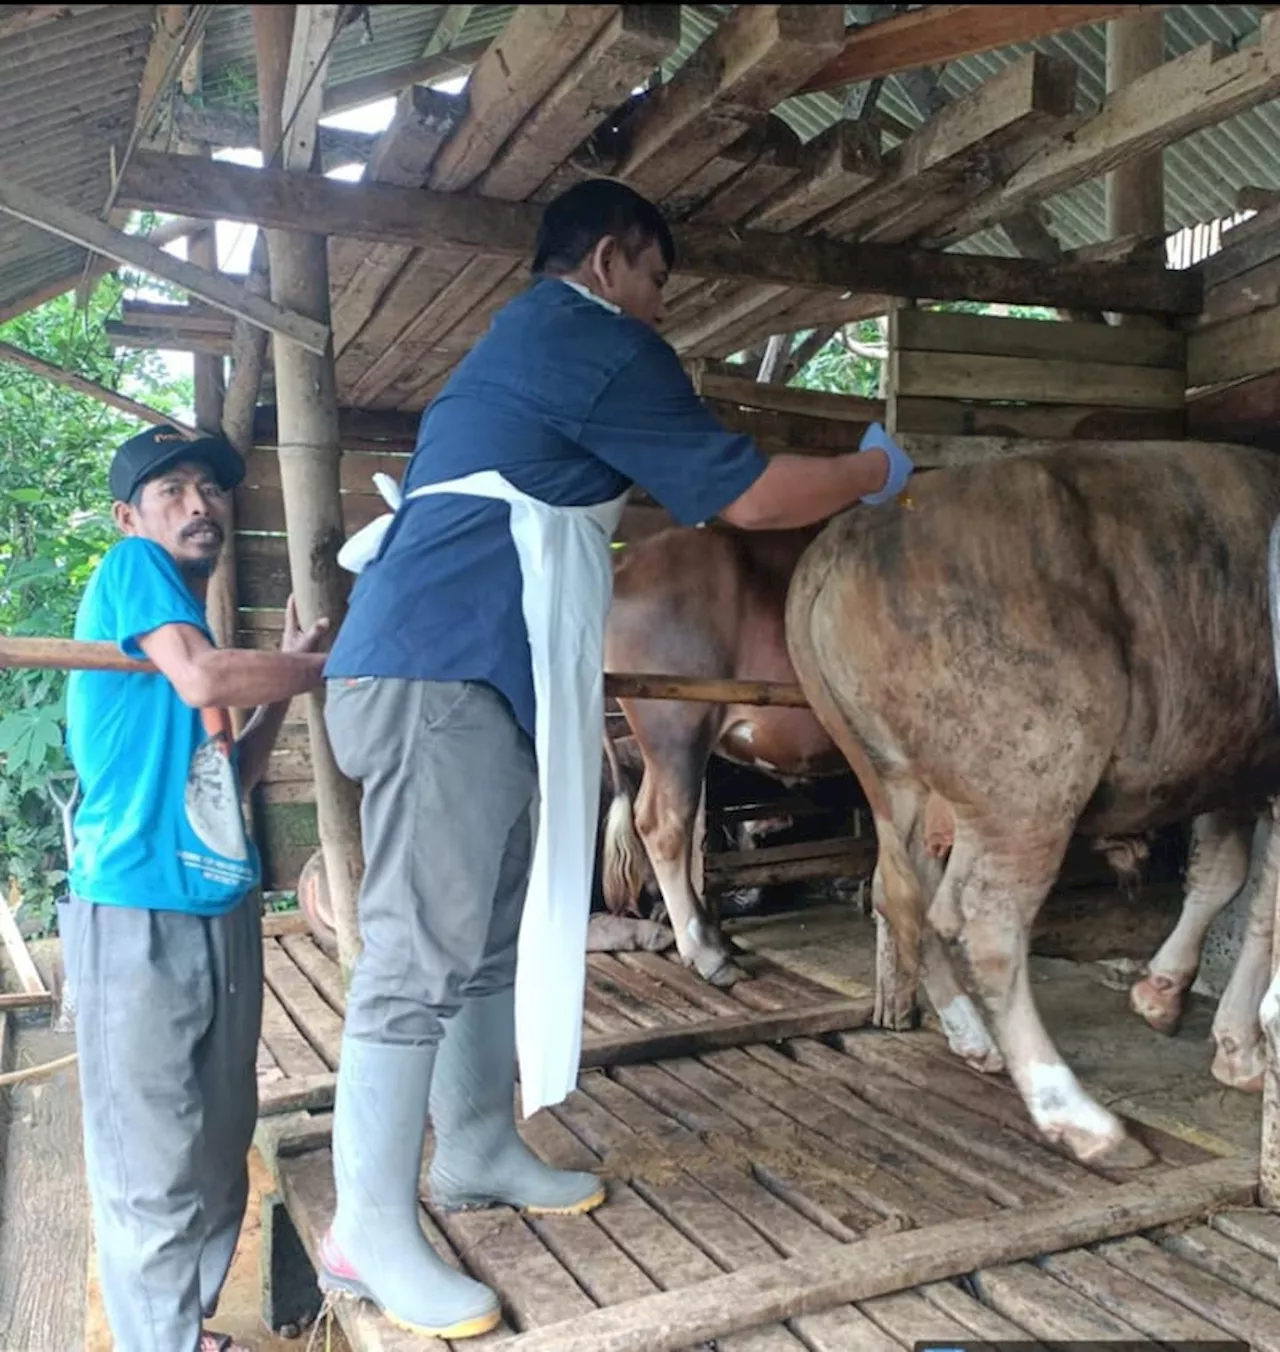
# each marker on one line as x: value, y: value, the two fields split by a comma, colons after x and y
x: 307, y: 409
x: 85, y: 655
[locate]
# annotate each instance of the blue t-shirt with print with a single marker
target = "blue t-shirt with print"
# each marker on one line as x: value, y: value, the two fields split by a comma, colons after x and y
x: 160, y: 824
x: 572, y: 404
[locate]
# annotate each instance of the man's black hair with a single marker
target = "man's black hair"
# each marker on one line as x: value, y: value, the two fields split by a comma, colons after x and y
x: 576, y: 221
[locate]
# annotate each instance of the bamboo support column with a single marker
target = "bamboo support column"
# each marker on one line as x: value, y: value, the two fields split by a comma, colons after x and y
x: 1135, y: 191
x: 309, y: 451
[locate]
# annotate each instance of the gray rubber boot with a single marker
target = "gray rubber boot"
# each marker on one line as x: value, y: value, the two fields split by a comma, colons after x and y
x: 375, y: 1248
x: 480, y: 1159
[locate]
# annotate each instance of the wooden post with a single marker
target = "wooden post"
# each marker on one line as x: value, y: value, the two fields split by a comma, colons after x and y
x: 309, y: 450
x: 1135, y: 191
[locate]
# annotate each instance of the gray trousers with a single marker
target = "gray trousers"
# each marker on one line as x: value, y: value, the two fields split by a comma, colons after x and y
x: 168, y: 1010
x: 449, y: 813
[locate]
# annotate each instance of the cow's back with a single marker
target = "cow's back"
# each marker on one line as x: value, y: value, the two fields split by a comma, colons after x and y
x: 1113, y: 595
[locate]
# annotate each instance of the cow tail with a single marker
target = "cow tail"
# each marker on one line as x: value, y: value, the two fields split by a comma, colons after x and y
x: 622, y: 871
x: 900, y: 898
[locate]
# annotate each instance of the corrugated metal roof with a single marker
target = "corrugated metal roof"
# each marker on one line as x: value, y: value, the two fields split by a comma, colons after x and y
x: 68, y: 90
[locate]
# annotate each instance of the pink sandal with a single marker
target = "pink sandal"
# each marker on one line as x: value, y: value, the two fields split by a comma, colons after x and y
x: 221, y: 1342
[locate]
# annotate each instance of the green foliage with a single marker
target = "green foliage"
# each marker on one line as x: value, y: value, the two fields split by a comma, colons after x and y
x: 55, y: 525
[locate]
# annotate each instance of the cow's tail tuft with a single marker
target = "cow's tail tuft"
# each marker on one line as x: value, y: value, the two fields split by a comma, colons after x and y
x: 623, y: 863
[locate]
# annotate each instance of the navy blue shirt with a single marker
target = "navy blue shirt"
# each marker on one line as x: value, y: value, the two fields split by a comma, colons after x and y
x: 572, y: 404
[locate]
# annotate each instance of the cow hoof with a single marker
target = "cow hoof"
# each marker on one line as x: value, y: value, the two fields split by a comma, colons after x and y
x: 1158, y: 1000
x: 718, y: 969
x: 1127, y: 1153
x: 985, y: 1063
x: 1109, y: 1150
x: 1239, y: 1067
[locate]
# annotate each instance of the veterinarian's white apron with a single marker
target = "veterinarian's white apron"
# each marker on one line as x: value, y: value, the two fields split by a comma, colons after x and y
x: 567, y: 578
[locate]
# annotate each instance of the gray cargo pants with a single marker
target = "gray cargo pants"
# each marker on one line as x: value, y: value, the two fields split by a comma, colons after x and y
x: 168, y: 1009
x: 448, y: 819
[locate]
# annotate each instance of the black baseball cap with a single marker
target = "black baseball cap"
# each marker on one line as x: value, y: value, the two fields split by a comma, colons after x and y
x: 158, y: 448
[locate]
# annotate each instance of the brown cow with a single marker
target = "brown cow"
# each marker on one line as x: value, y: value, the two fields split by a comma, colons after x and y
x: 1068, y: 641
x: 700, y: 602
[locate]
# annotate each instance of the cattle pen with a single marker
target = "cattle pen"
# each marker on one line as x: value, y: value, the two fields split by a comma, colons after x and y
x: 783, y: 1173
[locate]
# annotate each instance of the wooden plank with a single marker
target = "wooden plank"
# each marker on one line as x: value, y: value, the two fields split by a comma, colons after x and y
x: 936, y: 34
x: 1199, y: 89
x: 1075, y: 422
x: 356, y: 468
x: 635, y: 41
x: 1231, y: 1309
x: 692, y: 1039
x: 314, y: 1018
x: 836, y: 164
x: 987, y: 1178
x: 771, y: 157
x: 1248, y: 346
x: 293, y: 1053
x: 1256, y: 289
x: 185, y: 185
x: 359, y: 275
x: 1226, y: 1259
x: 11, y: 1000
x: 751, y: 61
x: 15, y: 948
x: 262, y: 509
x: 759, y: 1294
x: 43, y: 1199
x: 981, y: 1321
x: 1248, y: 411
x: 298, y: 1093
x: 993, y: 336
x: 318, y: 968
x: 1047, y: 1309
x: 911, y: 1187
x: 910, y: 1320
x: 746, y: 393
x: 90, y: 388
x: 955, y: 149
x: 953, y: 375
x: 276, y: 924
x: 36, y: 209
x: 1127, y: 1297
x: 1258, y: 1230
x: 536, y: 46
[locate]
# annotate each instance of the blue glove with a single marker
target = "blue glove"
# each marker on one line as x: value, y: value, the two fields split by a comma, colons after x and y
x: 901, y: 467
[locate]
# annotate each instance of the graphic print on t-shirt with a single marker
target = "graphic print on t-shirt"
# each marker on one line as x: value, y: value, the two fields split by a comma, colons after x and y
x: 212, y: 798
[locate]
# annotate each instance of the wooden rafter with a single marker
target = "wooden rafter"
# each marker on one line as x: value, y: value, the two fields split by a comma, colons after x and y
x: 936, y: 34
x: 507, y: 229
x: 58, y: 219
x: 61, y: 376
x: 1198, y: 89
x: 23, y: 18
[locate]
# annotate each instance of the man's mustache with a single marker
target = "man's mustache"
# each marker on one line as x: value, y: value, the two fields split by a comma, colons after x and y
x: 201, y: 528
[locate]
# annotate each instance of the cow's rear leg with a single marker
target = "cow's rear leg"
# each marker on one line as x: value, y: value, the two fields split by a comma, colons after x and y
x: 987, y: 903
x: 665, y: 813
x: 1216, y: 871
x: 1240, y: 1057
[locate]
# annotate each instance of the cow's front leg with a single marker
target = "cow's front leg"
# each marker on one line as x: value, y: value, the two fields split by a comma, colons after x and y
x: 665, y: 811
x: 1216, y: 871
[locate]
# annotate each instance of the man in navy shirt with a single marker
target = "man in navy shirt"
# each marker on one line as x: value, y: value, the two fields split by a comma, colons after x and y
x: 571, y: 397
x: 161, y: 938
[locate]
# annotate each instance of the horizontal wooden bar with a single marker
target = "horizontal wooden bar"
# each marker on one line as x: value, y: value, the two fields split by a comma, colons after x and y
x: 645, y: 1044
x: 313, y: 204
x: 765, y: 1293
x: 769, y: 694
x: 24, y: 1000
x: 1055, y: 340
x: 955, y: 375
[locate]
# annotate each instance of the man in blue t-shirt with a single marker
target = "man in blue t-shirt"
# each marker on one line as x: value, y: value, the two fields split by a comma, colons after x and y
x: 572, y: 396
x: 161, y: 938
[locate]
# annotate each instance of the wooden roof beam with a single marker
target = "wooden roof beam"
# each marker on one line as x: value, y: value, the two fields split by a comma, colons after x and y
x: 749, y: 63
x: 421, y: 218
x: 522, y: 64
x: 38, y: 210
x: 1199, y: 89
x: 937, y: 34
x: 61, y: 376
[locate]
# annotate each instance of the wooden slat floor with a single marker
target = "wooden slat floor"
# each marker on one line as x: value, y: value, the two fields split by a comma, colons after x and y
x: 772, y: 1151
